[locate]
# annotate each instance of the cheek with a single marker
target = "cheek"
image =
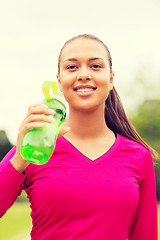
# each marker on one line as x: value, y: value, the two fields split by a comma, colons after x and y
x: 66, y: 79
x: 104, y: 83
x: 104, y: 88
x: 64, y: 84
x: 103, y: 95
x: 66, y: 88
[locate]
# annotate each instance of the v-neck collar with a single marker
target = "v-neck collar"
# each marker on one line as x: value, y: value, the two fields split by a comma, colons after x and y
x: 79, y: 154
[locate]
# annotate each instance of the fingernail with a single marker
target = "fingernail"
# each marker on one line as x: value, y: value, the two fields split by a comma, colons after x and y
x: 51, y: 111
x: 50, y: 119
x: 40, y: 124
x: 45, y: 105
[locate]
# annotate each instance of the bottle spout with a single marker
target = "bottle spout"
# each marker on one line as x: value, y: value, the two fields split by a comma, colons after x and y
x: 46, y: 88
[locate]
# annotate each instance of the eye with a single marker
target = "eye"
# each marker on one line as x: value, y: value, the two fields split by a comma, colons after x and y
x: 71, y: 67
x: 96, y: 66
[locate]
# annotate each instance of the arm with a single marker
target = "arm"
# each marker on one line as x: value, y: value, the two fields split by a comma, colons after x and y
x: 13, y: 170
x: 144, y: 225
x: 13, y: 166
x: 11, y: 182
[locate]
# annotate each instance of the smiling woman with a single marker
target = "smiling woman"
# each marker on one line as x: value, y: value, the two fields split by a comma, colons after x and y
x: 88, y: 64
x: 99, y: 182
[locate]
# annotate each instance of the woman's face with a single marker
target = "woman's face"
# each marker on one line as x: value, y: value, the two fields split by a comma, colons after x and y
x: 84, y: 76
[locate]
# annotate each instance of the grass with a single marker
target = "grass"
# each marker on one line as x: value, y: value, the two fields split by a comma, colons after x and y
x: 16, y: 223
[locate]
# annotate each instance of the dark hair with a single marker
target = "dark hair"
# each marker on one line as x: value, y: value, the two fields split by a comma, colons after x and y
x: 115, y: 115
x: 87, y: 36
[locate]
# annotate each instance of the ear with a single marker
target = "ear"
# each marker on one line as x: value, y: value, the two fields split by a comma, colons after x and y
x: 59, y: 82
x: 111, y: 80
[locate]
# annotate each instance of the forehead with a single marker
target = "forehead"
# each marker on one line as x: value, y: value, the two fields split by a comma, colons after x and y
x: 84, y: 48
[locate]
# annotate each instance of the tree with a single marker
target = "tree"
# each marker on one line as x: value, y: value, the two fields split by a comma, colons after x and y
x: 5, y: 144
x: 147, y: 124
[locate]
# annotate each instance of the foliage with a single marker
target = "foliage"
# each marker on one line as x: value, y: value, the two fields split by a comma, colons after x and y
x: 147, y: 124
x: 5, y: 144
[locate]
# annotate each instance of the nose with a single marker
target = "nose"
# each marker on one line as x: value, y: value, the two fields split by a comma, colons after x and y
x: 84, y: 75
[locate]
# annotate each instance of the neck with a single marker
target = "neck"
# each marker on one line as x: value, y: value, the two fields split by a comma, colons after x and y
x: 85, y: 124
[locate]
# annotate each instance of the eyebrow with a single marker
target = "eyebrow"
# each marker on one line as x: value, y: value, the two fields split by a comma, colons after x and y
x: 90, y: 59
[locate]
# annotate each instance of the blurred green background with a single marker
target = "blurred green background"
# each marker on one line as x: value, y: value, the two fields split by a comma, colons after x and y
x: 32, y: 34
x: 16, y: 223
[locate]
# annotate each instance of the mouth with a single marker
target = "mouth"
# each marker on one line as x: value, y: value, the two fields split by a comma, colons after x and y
x: 84, y: 88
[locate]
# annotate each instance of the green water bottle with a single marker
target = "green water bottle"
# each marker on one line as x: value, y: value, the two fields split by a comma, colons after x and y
x: 38, y: 144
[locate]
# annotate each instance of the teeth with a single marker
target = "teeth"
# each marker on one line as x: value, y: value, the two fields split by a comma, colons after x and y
x: 84, y: 89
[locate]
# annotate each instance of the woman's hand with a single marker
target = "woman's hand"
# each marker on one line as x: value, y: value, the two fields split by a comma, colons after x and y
x: 35, y: 118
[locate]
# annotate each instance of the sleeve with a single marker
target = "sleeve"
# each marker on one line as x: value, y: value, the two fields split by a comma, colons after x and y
x: 145, y: 225
x: 11, y: 182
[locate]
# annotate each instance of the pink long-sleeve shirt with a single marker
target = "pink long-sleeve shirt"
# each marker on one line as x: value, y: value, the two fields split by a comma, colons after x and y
x: 75, y: 198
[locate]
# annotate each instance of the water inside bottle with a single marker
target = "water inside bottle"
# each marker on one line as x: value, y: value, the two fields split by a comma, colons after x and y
x: 38, y: 144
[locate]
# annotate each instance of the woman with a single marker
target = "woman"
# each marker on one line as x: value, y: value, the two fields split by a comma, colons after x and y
x: 99, y: 182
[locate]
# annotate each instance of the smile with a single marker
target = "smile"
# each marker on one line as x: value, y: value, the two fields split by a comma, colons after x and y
x: 84, y: 89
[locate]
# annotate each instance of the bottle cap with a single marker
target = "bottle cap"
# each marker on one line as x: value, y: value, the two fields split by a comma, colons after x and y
x: 46, y: 88
x: 46, y: 91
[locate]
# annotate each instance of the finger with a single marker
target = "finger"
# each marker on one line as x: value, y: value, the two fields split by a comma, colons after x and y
x: 38, y: 118
x: 30, y: 126
x: 40, y: 109
x: 25, y: 128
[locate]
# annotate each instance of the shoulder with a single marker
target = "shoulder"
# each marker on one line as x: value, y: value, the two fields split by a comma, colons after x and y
x: 134, y: 155
x: 63, y: 146
x: 135, y: 151
x: 131, y: 145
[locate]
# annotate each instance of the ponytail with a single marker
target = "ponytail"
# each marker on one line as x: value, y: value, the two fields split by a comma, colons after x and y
x: 118, y: 122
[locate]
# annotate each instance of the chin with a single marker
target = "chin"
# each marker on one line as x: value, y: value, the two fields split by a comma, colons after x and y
x: 86, y: 108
